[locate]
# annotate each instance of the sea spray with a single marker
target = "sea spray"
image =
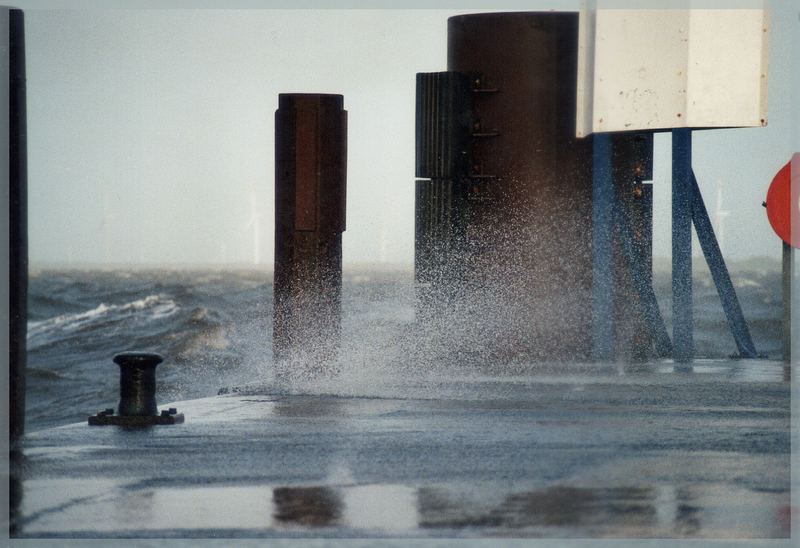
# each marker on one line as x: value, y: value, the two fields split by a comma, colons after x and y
x: 218, y: 336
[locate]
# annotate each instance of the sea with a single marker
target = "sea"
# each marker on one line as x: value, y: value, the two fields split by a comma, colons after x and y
x: 214, y: 329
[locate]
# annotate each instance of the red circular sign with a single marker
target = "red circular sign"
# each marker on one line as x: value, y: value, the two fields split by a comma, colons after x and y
x: 782, y: 203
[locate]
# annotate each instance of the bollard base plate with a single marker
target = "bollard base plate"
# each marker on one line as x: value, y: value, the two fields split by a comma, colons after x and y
x: 104, y: 418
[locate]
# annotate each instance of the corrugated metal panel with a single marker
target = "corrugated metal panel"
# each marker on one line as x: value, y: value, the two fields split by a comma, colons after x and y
x: 443, y: 124
x: 438, y: 230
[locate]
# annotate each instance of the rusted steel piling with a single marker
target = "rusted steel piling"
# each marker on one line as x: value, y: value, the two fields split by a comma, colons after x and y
x: 310, y: 198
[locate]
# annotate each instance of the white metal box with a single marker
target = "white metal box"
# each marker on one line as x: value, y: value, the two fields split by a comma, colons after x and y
x: 648, y: 69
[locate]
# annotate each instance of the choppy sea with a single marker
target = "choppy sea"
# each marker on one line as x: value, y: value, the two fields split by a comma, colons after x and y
x: 215, y: 327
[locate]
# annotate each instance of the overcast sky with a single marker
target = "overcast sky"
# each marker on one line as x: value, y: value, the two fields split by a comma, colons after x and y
x: 151, y: 133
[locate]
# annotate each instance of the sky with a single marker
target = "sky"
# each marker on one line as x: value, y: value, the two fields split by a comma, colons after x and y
x: 151, y: 132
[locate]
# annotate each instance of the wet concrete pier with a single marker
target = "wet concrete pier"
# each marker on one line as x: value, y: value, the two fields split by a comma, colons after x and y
x: 572, y: 451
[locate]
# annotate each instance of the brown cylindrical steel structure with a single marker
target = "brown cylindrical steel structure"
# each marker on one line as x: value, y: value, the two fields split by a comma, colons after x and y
x: 530, y: 200
x: 529, y: 213
x: 310, y: 197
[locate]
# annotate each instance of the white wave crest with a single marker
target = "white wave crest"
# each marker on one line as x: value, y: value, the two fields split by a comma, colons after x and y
x: 154, y: 306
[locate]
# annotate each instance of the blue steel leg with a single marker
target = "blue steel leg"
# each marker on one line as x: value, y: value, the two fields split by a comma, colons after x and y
x: 682, y: 321
x: 602, y: 251
x: 716, y: 263
x: 642, y: 283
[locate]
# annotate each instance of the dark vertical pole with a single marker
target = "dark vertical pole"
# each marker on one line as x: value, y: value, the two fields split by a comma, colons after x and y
x: 641, y: 274
x: 310, y: 187
x: 719, y: 272
x: 602, y: 251
x: 18, y: 222
x: 788, y: 253
x: 682, y: 321
x: 632, y: 161
x: 640, y: 205
x: 642, y: 235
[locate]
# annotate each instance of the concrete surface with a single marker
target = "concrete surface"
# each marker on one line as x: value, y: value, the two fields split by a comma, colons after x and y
x: 593, y: 452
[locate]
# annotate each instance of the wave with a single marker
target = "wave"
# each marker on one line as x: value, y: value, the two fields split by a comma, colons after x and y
x: 743, y: 282
x: 150, y: 308
x: 215, y: 330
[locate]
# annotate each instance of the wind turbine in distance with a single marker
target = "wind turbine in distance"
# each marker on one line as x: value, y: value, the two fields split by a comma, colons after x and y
x: 255, y: 223
x: 382, y: 256
x: 223, y: 252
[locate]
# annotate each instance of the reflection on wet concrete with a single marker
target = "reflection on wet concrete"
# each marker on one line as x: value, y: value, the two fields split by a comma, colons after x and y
x: 140, y: 506
x: 381, y: 507
x: 677, y: 511
x: 637, y: 368
x: 364, y: 507
x: 307, y: 506
x: 308, y: 407
x: 687, y: 515
x: 616, y: 511
x: 553, y: 507
x: 744, y: 371
x: 577, y: 507
x: 16, y: 466
x: 710, y: 510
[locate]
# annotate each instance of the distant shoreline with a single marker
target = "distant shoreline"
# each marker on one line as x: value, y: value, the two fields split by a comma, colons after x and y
x: 660, y: 264
x: 354, y: 268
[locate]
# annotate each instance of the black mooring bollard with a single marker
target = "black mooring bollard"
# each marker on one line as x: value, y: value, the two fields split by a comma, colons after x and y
x: 137, y: 394
x: 137, y: 383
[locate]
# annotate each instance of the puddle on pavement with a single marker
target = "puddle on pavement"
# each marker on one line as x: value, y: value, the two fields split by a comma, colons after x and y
x: 709, y: 510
